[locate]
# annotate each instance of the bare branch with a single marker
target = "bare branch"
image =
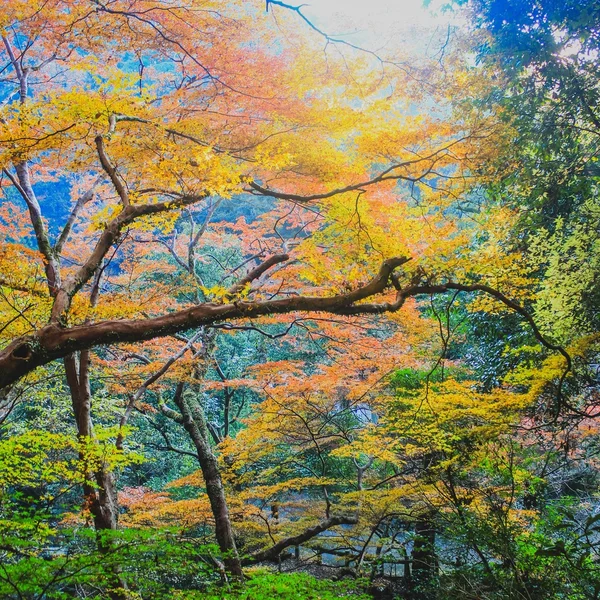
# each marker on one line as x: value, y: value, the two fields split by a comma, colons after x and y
x: 81, y: 202
x: 385, y: 175
x: 274, y: 551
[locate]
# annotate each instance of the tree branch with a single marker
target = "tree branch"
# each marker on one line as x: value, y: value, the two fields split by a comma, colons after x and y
x: 108, y: 237
x: 23, y: 185
x: 257, y: 272
x: 134, y: 398
x: 385, y: 175
x: 111, y: 171
x: 274, y: 551
x: 81, y: 202
x: 26, y: 353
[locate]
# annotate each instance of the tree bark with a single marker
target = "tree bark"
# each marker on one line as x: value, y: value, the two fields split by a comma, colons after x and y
x: 99, y: 490
x: 424, y: 560
x: 194, y: 423
x: 53, y: 341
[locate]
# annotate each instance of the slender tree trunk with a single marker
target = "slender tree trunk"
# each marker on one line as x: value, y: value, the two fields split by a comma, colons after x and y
x: 191, y: 416
x: 424, y: 560
x: 194, y: 423
x: 98, y: 488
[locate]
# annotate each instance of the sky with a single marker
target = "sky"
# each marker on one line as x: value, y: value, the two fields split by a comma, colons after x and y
x: 374, y: 21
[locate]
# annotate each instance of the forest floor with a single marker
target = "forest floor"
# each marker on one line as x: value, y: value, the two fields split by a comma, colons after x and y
x: 381, y: 587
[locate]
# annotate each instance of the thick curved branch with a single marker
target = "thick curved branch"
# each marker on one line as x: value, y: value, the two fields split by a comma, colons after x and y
x: 26, y: 353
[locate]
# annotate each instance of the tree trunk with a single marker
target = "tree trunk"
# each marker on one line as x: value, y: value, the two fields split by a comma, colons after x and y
x: 98, y: 488
x: 424, y: 561
x: 194, y: 423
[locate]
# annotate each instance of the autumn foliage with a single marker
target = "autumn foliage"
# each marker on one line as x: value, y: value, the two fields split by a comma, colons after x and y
x: 268, y: 297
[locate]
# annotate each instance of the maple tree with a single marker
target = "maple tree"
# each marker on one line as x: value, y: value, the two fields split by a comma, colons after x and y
x: 196, y: 160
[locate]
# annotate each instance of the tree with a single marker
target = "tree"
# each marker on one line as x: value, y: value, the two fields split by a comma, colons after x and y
x: 113, y: 124
x: 544, y: 56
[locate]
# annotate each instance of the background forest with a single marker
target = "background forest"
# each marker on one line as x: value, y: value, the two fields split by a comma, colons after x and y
x: 283, y: 316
